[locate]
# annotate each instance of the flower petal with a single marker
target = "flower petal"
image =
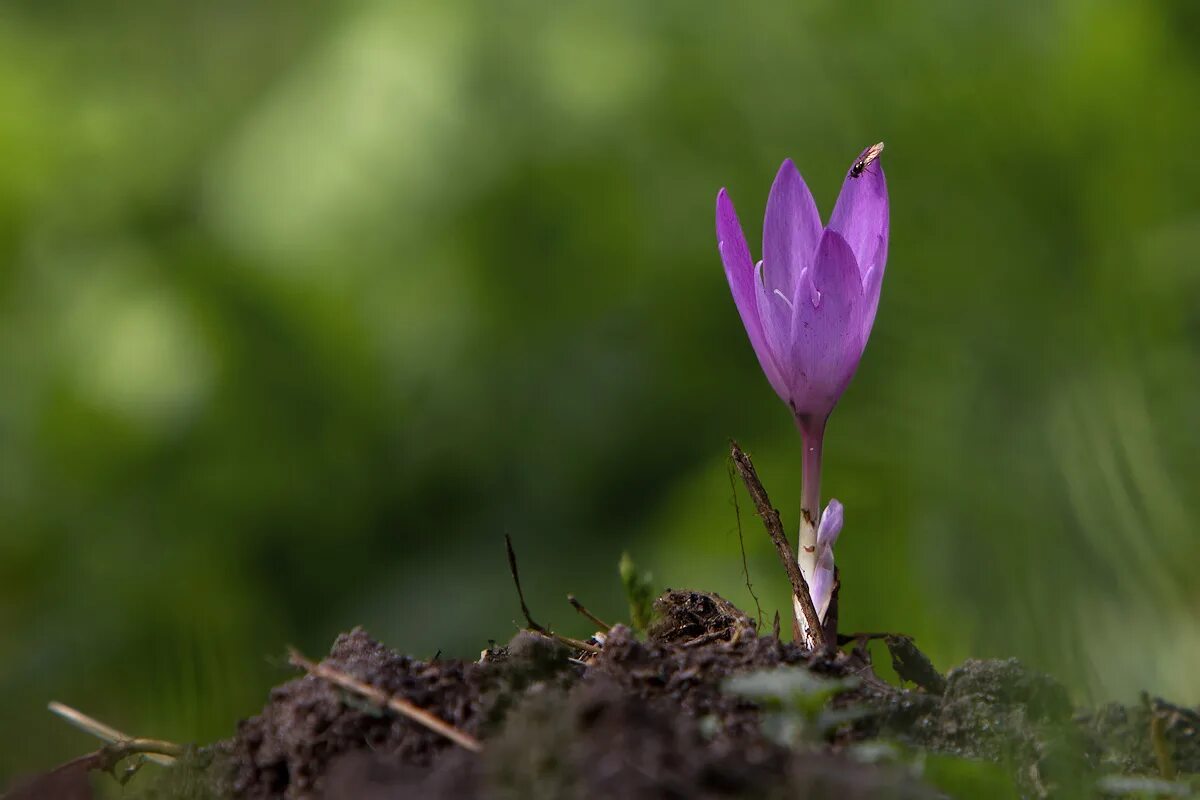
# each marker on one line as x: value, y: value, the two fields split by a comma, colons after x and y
x: 775, y: 312
x: 831, y: 524
x: 739, y: 271
x: 861, y: 215
x: 826, y: 336
x: 824, y: 575
x: 791, y: 230
x: 821, y: 589
x: 872, y: 285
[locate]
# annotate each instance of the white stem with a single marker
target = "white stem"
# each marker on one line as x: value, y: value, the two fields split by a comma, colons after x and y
x: 807, y: 558
x: 813, y: 431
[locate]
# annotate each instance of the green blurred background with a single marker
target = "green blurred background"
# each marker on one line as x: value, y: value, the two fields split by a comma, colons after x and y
x: 303, y: 306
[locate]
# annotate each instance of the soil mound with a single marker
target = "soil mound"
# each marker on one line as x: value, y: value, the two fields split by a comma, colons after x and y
x: 658, y: 718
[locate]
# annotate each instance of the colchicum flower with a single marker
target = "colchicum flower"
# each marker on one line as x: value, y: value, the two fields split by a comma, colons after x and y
x: 808, y: 307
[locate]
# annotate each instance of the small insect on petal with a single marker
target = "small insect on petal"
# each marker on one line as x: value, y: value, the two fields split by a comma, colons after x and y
x: 873, y: 152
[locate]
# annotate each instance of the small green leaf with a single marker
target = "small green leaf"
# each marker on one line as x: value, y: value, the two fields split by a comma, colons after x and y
x: 963, y: 777
x: 793, y: 688
x: 794, y: 700
x: 639, y: 592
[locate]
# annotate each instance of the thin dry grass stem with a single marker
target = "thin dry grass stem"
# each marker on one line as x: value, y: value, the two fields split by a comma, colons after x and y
x: 529, y: 621
x: 578, y: 644
x: 737, y: 515
x: 774, y: 526
x: 119, y: 744
x: 381, y: 698
x: 582, y: 609
x: 1162, y: 750
x: 516, y: 576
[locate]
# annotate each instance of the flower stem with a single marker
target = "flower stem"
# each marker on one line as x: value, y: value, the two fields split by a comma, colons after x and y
x: 813, y: 432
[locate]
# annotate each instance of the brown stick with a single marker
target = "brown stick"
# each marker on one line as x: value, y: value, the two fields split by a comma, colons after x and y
x: 1162, y: 750
x: 774, y: 526
x: 69, y: 779
x: 382, y: 698
x: 830, y: 623
x: 160, y: 752
x: 535, y: 626
x: 578, y: 644
x: 582, y: 609
x: 516, y: 576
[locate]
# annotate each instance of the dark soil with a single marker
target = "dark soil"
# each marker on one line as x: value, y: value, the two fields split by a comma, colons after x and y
x: 650, y: 719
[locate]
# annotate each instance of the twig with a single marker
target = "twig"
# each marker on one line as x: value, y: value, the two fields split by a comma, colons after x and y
x: 848, y: 638
x: 1158, y: 736
x: 156, y: 750
x: 737, y: 515
x: 1162, y: 752
x: 774, y: 526
x: 913, y: 665
x: 578, y: 644
x: 582, y: 609
x: 529, y: 621
x: 66, y: 778
x: 516, y: 576
x: 63, y: 778
x: 830, y: 624
x: 376, y: 695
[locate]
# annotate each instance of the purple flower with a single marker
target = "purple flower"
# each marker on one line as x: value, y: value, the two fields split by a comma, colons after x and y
x: 808, y: 307
x: 809, y: 304
x: 823, y: 575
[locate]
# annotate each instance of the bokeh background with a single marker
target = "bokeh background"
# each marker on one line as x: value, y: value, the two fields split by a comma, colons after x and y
x: 303, y: 306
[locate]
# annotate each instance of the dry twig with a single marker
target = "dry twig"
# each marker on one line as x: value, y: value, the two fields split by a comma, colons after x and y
x: 156, y: 750
x: 1159, y: 712
x: 70, y: 779
x: 771, y: 521
x: 529, y: 621
x: 516, y: 576
x: 381, y: 698
x: 582, y: 609
x: 1162, y: 751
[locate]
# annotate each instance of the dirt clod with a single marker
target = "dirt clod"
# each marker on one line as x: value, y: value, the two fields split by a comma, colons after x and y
x: 683, y: 617
x: 306, y: 724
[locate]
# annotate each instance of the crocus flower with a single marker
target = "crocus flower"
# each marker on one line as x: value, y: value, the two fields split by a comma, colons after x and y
x: 821, y: 587
x: 809, y: 304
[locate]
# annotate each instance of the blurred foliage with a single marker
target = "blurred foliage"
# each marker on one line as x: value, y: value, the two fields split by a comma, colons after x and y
x: 303, y: 305
x: 980, y: 780
x: 795, y: 703
x: 639, y: 593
